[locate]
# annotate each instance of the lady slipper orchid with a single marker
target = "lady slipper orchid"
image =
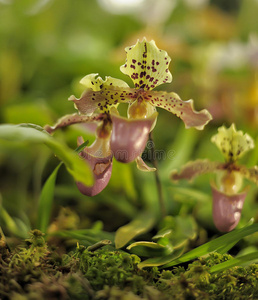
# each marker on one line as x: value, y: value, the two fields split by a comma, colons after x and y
x: 227, y: 199
x: 147, y: 66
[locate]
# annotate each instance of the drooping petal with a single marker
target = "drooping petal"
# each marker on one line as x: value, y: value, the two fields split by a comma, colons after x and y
x: 147, y: 65
x: 232, y: 144
x: 99, y: 157
x: 195, y: 168
x: 142, y: 166
x: 70, y: 120
x: 226, y: 209
x: 100, y: 95
x: 129, y: 136
x: 182, y: 109
x: 249, y: 173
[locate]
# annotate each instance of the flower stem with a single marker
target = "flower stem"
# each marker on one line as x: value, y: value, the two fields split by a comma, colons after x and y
x: 162, y: 206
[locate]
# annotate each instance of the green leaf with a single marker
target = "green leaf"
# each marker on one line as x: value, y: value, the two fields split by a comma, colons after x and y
x: 162, y: 260
x: 35, y: 134
x: 237, y: 261
x: 183, y: 147
x: 70, y: 234
x: 14, y: 225
x: 179, y: 230
x: 46, y: 200
x: 214, y: 245
x: 86, y: 237
x: 150, y: 249
x: 189, y: 194
x: 141, y: 224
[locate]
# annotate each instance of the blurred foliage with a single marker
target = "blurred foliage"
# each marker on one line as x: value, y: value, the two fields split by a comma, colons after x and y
x: 47, y: 46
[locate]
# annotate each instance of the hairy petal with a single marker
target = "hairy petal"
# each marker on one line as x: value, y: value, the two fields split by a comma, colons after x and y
x: 232, y: 143
x: 100, y: 95
x: 147, y: 65
x: 182, y: 109
x: 142, y: 166
x: 70, y: 120
x: 250, y: 173
x: 226, y: 209
x: 195, y: 168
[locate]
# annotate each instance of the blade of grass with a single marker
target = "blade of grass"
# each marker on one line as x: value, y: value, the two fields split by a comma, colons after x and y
x: 74, y: 235
x: 47, y: 195
x: 46, y: 200
x: 214, y: 245
x: 237, y: 261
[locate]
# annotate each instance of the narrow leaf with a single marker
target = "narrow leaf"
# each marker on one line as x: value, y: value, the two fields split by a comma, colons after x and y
x: 162, y: 260
x: 46, y: 201
x: 150, y: 249
x: 214, y: 245
x: 237, y: 261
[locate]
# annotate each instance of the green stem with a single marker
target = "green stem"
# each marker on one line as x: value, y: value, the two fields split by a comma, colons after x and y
x: 163, y: 211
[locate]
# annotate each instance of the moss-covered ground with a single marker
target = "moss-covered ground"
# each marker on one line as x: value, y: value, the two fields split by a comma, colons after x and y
x: 35, y: 271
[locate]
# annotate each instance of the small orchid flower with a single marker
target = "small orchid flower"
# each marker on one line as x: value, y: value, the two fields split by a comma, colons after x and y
x: 228, y: 200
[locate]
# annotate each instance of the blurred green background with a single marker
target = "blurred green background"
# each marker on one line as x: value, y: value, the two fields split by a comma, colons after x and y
x: 47, y: 46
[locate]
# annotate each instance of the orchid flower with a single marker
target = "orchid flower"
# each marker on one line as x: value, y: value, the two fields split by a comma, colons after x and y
x: 228, y: 199
x: 147, y: 66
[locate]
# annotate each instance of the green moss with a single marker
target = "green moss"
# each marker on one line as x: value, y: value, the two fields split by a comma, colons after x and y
x: 34, y: 272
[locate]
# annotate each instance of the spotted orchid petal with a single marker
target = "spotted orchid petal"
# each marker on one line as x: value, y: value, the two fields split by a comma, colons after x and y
x: 129, y: 136
x: 232, y: 143
x: 142, y: 166
x: 99, y: 157
x: 182, y: 109
x: 226, y: 209
x: 147, y: 65
x: 97, y: 84
x: 100, y: 95
x: 70, y: 120
x: 195, y: 168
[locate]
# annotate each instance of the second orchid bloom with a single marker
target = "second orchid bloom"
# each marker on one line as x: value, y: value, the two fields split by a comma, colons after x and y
x: 117, y: 136
x: 227, y: 194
